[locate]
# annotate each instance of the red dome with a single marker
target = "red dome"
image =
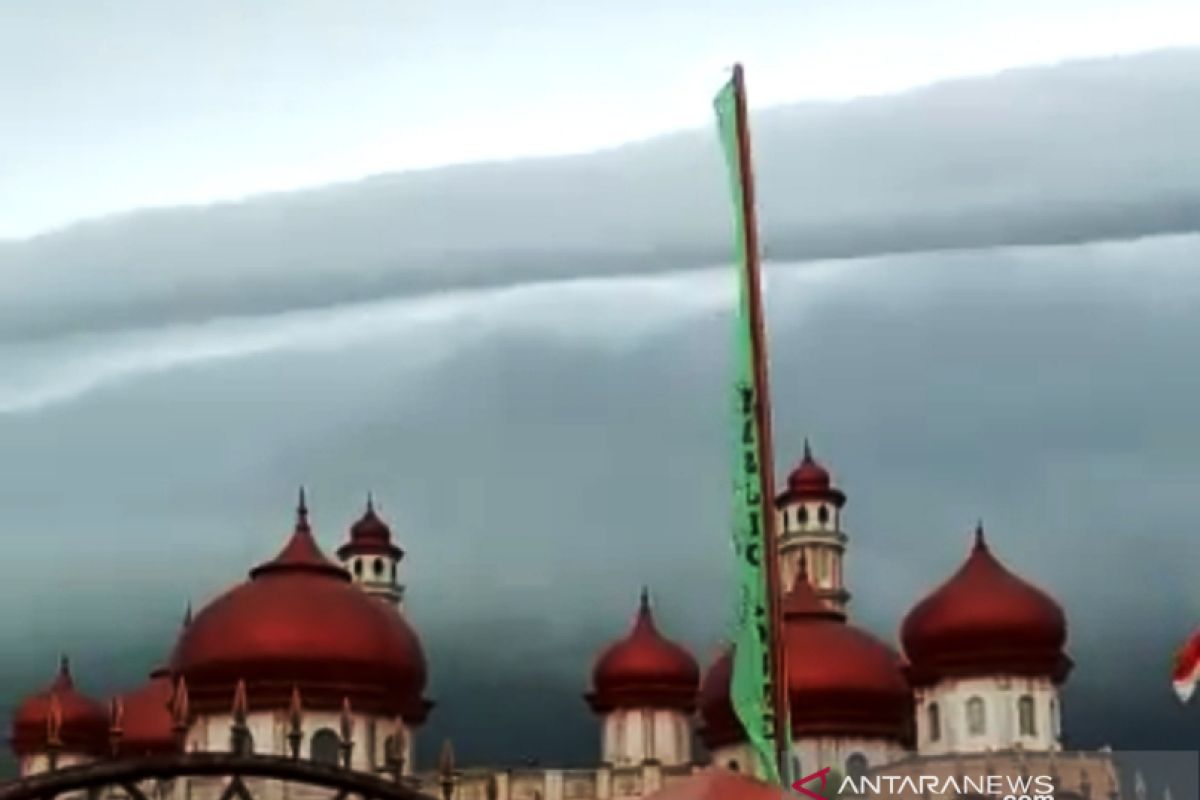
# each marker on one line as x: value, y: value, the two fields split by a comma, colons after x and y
x: 644, y: 669
x: 841, y: 681
x: 146, y: 724
x: 985, y: 621
x: 300, y: 622
x: 82, y: 722
x: 370, y: 535
x: 811, y: 481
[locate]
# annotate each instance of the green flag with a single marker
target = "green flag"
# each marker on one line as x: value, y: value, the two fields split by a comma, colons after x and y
x: 751, y: 687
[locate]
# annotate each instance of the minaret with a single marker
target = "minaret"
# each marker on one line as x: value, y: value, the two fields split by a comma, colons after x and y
x: 810, y: 529
x: 372, y: 558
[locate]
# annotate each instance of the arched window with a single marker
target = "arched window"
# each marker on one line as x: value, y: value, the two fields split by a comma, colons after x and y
x: 325, y: 747
x: 733, y: 765
x: 1026, y: 716
x: 856, y: 766
x: 358, y: 567
x: 393, y: 572
x: 822, y: 513
x: 802, y: 515
x: 935, y: 722
x: 378, y: 567
x: 976, y: 717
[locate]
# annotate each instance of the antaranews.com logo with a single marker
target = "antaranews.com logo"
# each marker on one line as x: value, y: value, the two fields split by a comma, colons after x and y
x: 1002, y: 787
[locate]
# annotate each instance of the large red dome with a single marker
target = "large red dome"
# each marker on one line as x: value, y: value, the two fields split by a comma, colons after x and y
x: 644, y: 669
x: 147, y: 726
x: 984, y: 621
x: 82, y: 722
x: 300, y: 622
x: 841, y: 680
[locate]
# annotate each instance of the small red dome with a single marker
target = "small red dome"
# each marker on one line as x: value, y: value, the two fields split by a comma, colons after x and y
x: 984, y: 621
x: 811, y: 481
x: 370, y: 535
x: 841, y: 680
x: 81, y: 722
x: 299, y: 622
x: 644, y: 669
x: 146, y: 723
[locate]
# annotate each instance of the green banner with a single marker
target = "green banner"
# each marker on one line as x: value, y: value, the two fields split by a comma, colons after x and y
x: 751, y: 687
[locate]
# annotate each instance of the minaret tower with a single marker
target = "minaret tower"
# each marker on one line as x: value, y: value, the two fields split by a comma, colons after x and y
x: 810, y: 529
x: 372, y: 558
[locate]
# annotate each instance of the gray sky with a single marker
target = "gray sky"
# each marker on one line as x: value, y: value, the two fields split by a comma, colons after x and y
x: 109, y: 106
x: 982, y: 300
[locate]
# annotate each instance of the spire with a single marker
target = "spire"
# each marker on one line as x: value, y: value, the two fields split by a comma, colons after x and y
x: 187, y: 614
x: 302, y: 512
x: 645, y: 600
x: 807, y: 451
x: 63, y: 680
x: 370, y: 502
x: 980, y: 543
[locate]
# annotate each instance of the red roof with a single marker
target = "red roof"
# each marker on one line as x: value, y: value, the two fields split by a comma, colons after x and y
x: 841, y: 680
x: 300, y: 623
x: 644, y: 669
x: 82, y: 722
x: 146, y: 724
x: 983, y: 621
x: 811, y: 481
x: 717, y: 784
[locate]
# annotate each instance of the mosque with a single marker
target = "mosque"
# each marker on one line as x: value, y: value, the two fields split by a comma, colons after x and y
x: 975, y: 687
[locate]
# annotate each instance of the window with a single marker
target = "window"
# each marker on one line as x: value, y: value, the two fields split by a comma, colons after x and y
x: 358, y: 567
x: 856, y: 766
x: 325, y: 746
x: 802, y: 515
x: 378, y: 567
x: 935, y: 722
x: 1054, y: 720
x: 733, y: 765
x: 823, y: 514
x: 1026, y: 718
x: 976, y: 722
x: 393, y: 572
x: 391, y: 753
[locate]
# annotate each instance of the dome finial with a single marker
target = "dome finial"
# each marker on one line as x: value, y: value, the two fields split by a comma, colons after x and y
x: 645, y: 598
x: 807, y: 451
x: 302, y: 510
x: 980, y: 544
x: 370, y: 502
x: 64, y: 665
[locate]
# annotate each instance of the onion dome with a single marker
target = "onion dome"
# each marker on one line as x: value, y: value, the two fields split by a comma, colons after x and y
x: 841, y: 681
x: 299, y: 623
x: 985, y: 621
x: 147, y: 727
x: 644, y: 670
x: 62, y: 716
x: 370, y: 535
x: 811, y: 481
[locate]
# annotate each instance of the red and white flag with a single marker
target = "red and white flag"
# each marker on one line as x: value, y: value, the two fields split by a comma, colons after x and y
x: 1187, y: 668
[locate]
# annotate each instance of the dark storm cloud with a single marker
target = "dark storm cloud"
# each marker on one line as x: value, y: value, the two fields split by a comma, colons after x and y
x: 541, y: 463
x: 1094, y: 150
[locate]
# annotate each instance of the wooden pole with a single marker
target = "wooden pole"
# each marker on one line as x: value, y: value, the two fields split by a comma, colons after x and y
x: 758, y: 345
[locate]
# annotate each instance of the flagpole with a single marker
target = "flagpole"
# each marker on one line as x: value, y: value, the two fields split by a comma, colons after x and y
x: 758, y: 340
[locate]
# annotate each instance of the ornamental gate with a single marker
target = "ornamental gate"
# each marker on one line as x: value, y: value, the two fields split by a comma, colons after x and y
x: 129, y: 776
